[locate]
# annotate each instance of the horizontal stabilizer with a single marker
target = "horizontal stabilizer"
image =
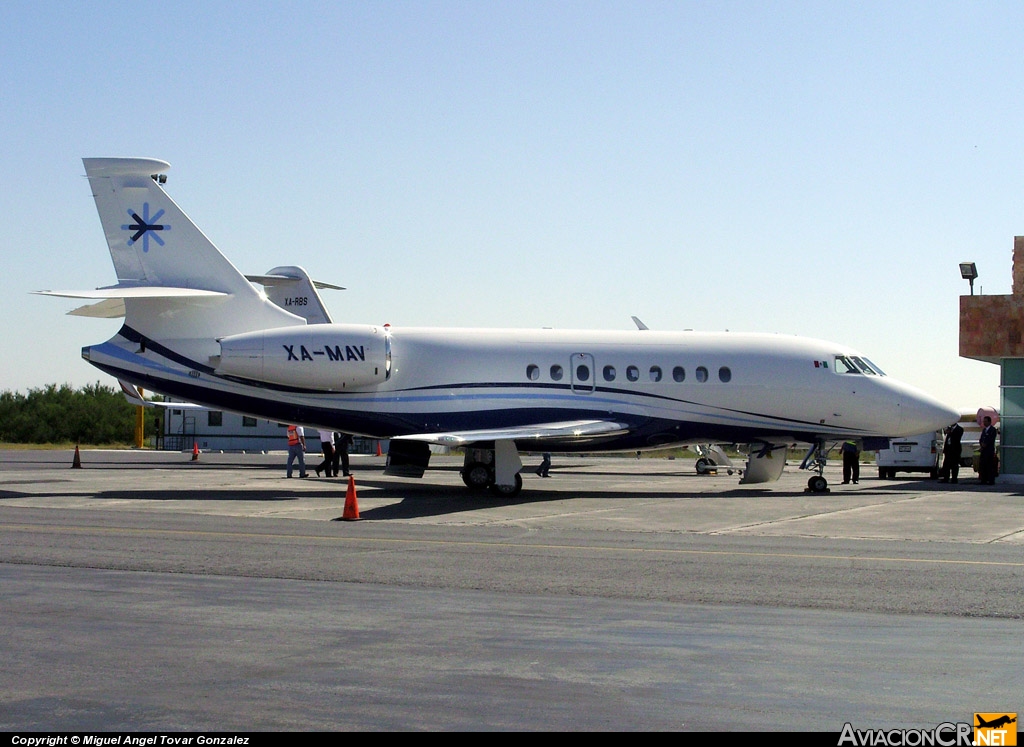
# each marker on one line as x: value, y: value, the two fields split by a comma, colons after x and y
x: 112, y: 308
x: 133, y: 291
x: 285, y: 279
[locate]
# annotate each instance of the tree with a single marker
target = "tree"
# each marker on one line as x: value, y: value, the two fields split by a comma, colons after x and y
x: 95, y: 414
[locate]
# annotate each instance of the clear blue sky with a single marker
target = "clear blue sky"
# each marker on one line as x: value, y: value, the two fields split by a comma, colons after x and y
x: 813, y: 168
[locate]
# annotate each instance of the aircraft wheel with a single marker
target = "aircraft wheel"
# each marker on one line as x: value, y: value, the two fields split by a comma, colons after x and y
x: 817, y: 484
x: 507, y: 491
x: 703, y: 466
x: 476, y: 476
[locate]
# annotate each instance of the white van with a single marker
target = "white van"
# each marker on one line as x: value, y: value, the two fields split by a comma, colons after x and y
x: 921, y: 453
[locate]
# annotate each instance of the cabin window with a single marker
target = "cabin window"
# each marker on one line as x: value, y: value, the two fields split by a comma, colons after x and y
x: 214, y: 418
x: 655, y: 373
x: 248, y: 422
x: 609, y: 373
x: 724, y: 374
x: 679, y: 374
x: 632, y: 373
x: 532, y: 372
x: 701, y: 374
x: 556, y: 373
x: 582, y: 373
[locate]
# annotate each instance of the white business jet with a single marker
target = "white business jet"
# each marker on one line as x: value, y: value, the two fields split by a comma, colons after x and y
x: 197, y: 329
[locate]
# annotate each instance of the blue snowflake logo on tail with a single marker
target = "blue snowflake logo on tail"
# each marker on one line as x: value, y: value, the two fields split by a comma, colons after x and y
x: 145, y: 226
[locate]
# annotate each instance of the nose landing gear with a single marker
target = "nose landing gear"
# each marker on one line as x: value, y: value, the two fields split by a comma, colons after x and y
x: 816, y: 459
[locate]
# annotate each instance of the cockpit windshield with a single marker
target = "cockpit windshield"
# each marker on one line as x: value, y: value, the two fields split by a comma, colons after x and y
x: 845, y: 366
x: 875, y: 368
x: 853, y: 364
x: 863, y: 366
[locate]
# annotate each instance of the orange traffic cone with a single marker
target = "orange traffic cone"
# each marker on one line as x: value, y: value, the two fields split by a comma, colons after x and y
x: 195, y: 451
x: 351, y: 512
x: 379, y: 453
x: 77, y: 462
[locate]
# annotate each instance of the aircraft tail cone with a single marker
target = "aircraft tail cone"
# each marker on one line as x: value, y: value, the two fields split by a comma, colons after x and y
x: 351, y: 512
x: 77, y: 461
x: 195, y: 451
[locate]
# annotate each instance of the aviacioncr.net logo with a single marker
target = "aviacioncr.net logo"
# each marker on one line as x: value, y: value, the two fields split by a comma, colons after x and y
x: 946, y: 734
x: 995, y: 729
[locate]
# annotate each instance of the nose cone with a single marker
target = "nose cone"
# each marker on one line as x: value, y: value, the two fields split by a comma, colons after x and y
x: 921, y: 413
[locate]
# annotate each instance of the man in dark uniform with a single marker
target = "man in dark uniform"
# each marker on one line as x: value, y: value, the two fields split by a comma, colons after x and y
x: 987, y: 461
x: 341, y: 443
x: 851, y: 462
x: 951, y: 451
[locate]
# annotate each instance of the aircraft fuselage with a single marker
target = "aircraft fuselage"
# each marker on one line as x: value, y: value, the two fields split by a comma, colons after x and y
x: 669, y: 387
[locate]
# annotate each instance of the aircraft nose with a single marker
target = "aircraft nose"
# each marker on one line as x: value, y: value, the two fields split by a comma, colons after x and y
x: 920, y: 413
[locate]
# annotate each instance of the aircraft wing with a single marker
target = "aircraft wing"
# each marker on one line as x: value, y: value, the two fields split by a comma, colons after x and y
x: 571, y: 430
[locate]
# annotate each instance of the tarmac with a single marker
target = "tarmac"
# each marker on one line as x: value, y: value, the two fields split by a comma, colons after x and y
x: 148, y: 591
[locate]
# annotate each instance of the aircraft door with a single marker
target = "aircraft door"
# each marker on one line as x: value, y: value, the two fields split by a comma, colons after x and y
x: 581, y: 372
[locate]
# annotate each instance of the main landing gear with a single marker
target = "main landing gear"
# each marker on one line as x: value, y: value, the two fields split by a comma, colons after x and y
x: 816, y: 459
x: 711, y: 459
x: 479, y: 472
x: 706, y: 466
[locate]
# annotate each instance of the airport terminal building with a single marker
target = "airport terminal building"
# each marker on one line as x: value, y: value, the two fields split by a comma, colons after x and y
x: 992, y: 330
x: 215, y: 430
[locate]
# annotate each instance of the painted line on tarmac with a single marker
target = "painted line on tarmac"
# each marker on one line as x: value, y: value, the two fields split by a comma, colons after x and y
x: 123, y: 531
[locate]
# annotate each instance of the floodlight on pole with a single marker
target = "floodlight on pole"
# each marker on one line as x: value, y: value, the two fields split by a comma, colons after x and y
x: 969, y: 271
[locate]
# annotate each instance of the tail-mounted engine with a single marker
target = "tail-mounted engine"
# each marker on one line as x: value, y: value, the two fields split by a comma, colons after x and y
x: 325, y: 357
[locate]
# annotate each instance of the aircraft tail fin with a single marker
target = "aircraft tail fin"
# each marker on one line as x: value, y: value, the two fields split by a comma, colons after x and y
x: 160, y: 255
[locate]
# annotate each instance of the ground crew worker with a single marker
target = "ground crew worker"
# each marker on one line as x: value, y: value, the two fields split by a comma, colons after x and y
x: 296, y: 449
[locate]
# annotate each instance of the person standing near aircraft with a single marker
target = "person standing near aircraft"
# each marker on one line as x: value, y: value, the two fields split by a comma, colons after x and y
x: 951, y: 451
x: 851, y: 462
x: 341, y: 443
x: 545, y: 465
x: 326, y: 446
x: 296, y: 449
x: 987, y: 462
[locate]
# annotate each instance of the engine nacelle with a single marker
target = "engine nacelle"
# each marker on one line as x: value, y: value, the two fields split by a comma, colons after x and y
x: 326, y: 357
